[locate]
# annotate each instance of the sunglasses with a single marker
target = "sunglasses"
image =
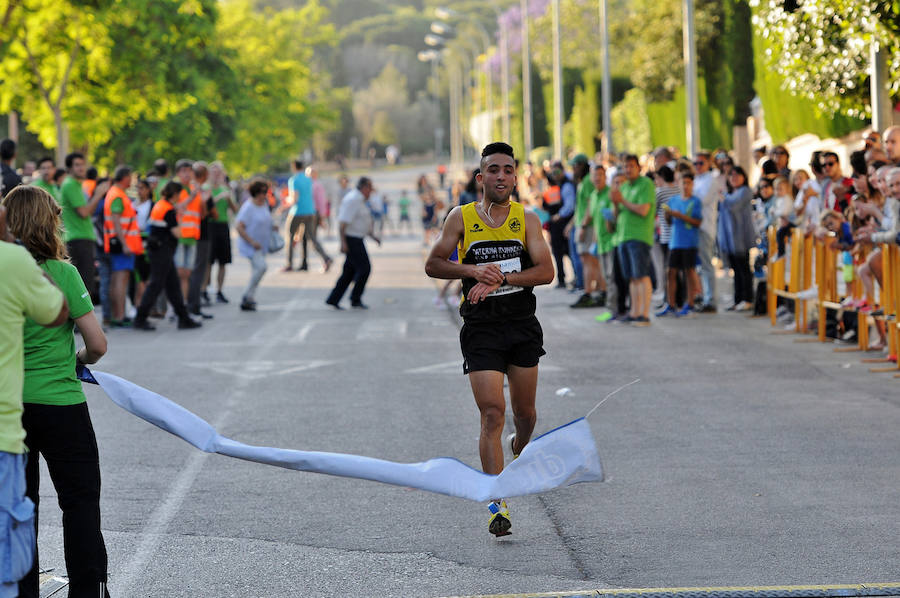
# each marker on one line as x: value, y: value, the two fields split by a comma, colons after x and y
x: 780, y: 153
x: 830, y: 163
x: 699, y: 163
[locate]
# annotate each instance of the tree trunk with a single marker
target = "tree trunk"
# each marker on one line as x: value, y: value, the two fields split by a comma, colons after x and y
x: 62, y: 136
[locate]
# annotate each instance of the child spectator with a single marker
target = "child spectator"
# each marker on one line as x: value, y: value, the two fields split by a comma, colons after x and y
x: 784, y: 212
x: 685, y: 213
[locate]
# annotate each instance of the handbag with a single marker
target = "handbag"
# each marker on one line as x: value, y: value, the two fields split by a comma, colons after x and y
x: 276, y: 241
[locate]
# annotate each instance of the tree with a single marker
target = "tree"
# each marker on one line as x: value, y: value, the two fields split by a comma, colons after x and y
x: 87, y: 62
x: 823, y: 49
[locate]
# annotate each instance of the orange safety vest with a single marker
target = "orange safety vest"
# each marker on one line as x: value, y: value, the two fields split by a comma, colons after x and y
x: 552, y: 195
x: 158, y: 213
x: 88, y: 186
x: 127, y: 219
x: 189, y: 218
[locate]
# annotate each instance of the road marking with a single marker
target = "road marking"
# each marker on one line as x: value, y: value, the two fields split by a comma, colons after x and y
x: 304, y: 332
x: 261, y: 368
x: 382, y: 329
x: 826, y: 591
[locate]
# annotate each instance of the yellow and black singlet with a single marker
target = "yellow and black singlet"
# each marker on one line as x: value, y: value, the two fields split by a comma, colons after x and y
x: 504, y: 246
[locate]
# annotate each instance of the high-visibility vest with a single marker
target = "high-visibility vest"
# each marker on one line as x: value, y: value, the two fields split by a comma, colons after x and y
x: 88, y: 186
x: 552, y: 195
x: 127, y: 220
x: 189, y: 217
x: 158, y: 213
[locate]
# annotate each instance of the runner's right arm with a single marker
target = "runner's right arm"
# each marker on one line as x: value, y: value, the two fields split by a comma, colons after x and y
x: 438, y: 264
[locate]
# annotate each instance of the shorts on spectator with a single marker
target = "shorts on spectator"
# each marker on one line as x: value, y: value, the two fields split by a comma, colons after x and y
x: 589, y: 238
x: 683, y: 258
x: 121, y: 261
x: 496, y: 346
x: 635, y: 258
x: 185, y: 256
x: 220, y: 250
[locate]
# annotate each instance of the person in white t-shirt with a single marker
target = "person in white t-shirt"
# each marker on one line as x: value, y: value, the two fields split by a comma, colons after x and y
x: 355, y: 224
x: 254, y: 225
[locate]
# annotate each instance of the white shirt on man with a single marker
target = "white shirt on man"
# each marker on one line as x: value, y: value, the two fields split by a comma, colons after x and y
x: 356, y: 214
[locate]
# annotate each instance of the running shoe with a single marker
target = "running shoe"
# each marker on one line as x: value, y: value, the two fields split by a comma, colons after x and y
x: 640, y: 321
x: 684, y: 311
x: 606, y: 317
x: 511, y: 439
x: 665, y: 311
x: 500, y: 523
x: 584, y: 301
x: 220, y: 298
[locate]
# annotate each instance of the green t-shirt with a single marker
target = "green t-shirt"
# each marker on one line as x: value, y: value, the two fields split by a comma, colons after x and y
x: 159, y: 187
x: 50, y: 352
x: 50, y: 188
x: 403, y: 204
x: 24, y: 292
x: 632, y: 226
x: 71, y: 196
x: 583, y: 199
x: 222, y: 203
x: 599, y: 201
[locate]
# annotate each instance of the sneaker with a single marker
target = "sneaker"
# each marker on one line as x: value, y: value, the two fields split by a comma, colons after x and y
x: 248, y: 306
x: 665, y: 311
x: 120, y: 323
x: 287, y: 269
x: 499, y: 524
x: 606, y: 316
x: 188, y: 323
x: 204, y: 315
x: 204, y: 298
x: 600, y: 299
x: 684, y: 311
x: 220, y: 298
x: 706, y: 308
x: 743, y: 306
x: 303, y: 268
x: 359, y: 305
x: 142, y: 325
x: 584, y: 301
x: 334, y: 304
x: 328, y: 264
x: 511, y: 439
x: 640, y: 321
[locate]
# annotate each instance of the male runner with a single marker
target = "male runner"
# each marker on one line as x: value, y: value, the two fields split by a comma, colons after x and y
x: 502, y: 256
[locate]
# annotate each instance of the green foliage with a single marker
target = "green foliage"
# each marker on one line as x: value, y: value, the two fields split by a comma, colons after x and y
x: 631, y: 127
x: 583, y: 128
x: 822, y: 51
x: 788, y: 115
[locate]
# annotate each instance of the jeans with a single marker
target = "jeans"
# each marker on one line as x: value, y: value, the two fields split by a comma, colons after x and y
x: 258, y: 269
x: 63, y: 434
x: 356, y: 270
x: 621, y: 284
x: 743, y: 277
x: 309, y: 223
x: 706, y: 249
x: 560, y: 247
x: 577, y: 266
x: 198, y: 274
x: 607, y: 266
x: 18, y: 552
x: 104, y: 269
x: 163, y: 276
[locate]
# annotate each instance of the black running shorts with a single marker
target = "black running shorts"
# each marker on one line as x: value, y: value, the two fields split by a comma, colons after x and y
x: 683, y: 259
x: 496, y: 346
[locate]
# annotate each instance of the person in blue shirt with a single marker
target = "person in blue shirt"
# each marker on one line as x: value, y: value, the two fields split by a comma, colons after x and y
x: 302, y: 212
x: 685, y: 213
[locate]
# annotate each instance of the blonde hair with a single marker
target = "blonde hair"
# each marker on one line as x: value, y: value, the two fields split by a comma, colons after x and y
x: 33, y: 217
x: 826, y: 214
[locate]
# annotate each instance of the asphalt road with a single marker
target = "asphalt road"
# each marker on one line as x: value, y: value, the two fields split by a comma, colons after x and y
x: 741, y: 458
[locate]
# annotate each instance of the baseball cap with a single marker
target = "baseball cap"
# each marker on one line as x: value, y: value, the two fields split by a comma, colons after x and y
x: 579, y: 159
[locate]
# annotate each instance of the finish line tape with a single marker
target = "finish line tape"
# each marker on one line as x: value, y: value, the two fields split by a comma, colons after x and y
x: 561, y: 457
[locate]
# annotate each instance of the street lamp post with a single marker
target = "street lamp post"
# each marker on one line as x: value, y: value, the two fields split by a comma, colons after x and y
x: 690, y: 79
x: 606, y: 85
x: 557, y: 87
x: 526, y: 83
x: 433, y: 56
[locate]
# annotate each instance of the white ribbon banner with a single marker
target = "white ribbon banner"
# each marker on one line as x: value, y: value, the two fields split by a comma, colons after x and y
x: 561, y: 457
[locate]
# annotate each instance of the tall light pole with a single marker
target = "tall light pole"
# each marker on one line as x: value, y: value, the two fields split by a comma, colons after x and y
x: 433, y: 56
x: 504, y: 74
x: 606, y: 85
x: 527, y: 132
x: 690, y: 79
x: 881, y: 105
x: 557, y: 87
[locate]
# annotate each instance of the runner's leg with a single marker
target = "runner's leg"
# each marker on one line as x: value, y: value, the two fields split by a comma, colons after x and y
x: 522, y: 393
x: 487, y: 386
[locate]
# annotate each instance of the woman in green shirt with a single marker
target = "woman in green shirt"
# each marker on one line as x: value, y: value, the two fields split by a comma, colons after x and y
x: 56, y: 418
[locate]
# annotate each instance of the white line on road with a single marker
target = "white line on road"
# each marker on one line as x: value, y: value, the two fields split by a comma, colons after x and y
x: 382, y: 329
